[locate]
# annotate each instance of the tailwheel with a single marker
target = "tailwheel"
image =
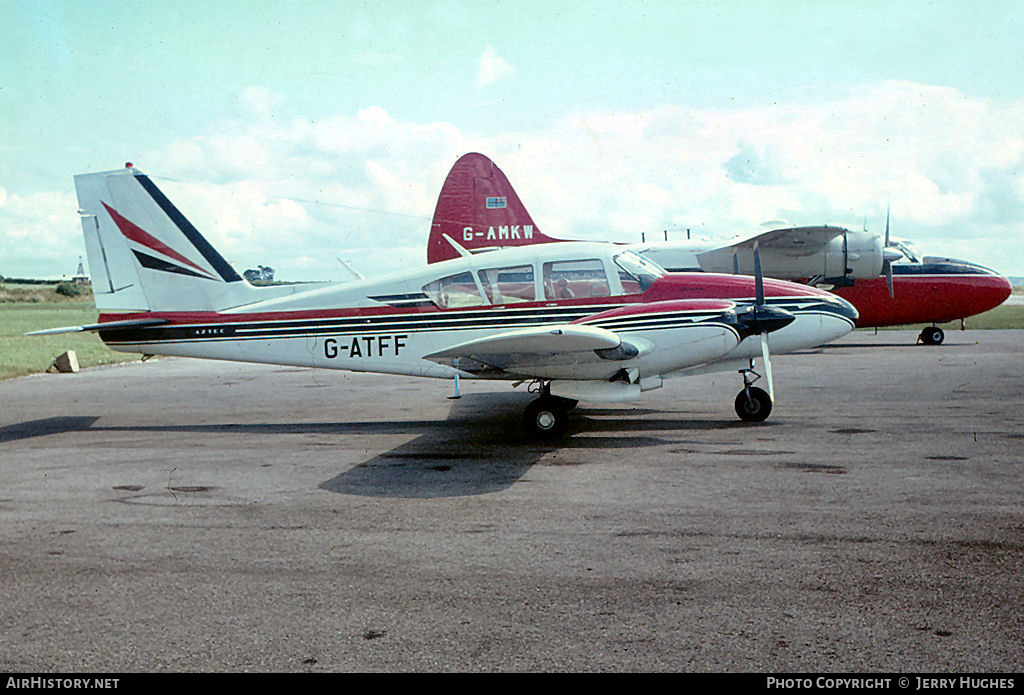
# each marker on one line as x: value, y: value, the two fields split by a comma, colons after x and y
x: 932, y: 335
x: 547, y: 417
x: 753, y: 404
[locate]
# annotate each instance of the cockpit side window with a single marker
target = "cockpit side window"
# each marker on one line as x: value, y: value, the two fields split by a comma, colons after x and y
x: 508, y: 285
x: 454, y: 291
x: 573, y: 279
x: 637, y: 273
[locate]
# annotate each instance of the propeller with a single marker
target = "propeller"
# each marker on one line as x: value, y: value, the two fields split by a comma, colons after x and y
x: 762, y: 319
x: 888, y: 256
x: 846, y: 255
x: 759, y: 307
x: 886, y: 263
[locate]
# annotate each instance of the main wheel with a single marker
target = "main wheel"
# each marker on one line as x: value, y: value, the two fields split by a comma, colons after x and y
x: 932, y: 335
x: 754, y: 408
x: 546, y: 418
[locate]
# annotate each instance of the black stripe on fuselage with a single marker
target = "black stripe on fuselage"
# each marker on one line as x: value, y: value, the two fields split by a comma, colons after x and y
x: 912, y: 269
x: 222, y: 267
x: 488, y: 319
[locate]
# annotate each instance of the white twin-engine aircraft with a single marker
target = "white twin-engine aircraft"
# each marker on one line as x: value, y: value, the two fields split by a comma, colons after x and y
x: 581, y: 321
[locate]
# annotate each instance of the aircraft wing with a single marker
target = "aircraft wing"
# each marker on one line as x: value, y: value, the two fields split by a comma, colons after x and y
x: 544, y: 351
x: 795, y: 253
x: 793, y: 241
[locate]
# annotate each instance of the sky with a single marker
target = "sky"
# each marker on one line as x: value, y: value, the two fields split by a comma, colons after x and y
x: 296, y: 134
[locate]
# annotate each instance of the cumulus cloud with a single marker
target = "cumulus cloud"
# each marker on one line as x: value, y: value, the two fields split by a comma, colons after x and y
x: 294, y: 194
x: 258, y: 101
x: 492, y: 68
x: 36, y: 231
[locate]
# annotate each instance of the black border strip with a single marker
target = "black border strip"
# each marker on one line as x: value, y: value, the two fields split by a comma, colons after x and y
x: 222, y: 267
x: 153, y: 263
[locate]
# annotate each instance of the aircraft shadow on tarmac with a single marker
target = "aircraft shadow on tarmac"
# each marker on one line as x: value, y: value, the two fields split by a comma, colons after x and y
x: 481, y: 447
x: 840, y: 346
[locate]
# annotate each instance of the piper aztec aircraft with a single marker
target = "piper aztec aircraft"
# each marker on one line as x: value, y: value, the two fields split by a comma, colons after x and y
x: 887, y: 281
x: 581, y: 321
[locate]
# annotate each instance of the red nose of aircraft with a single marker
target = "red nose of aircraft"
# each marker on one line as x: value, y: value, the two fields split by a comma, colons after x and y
x: 994, y: 291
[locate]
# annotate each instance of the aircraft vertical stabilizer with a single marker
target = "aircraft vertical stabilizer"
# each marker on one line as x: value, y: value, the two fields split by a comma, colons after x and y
x: 479, y: 209
x: 144, y: 255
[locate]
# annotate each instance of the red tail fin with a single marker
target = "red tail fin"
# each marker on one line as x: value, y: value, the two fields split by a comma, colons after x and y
x: 479, y: 209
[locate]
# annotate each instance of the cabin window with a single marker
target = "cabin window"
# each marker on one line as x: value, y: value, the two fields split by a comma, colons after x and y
x: 508, y: 285
x: 454, y: 291
x: 575, y: 279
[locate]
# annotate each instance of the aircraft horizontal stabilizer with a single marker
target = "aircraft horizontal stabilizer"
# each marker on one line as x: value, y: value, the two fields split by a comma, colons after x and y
x: 107, y: 326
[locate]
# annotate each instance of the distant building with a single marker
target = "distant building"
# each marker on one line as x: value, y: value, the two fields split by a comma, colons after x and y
x: 80, y: 277
x: 261, y: 273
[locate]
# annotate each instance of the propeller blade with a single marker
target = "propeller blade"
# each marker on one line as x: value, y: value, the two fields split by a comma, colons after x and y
x: 758, y: 278
x: 846, y: 255
x: 888, y: 264
x: 767, y: 366
x: 735, y: 262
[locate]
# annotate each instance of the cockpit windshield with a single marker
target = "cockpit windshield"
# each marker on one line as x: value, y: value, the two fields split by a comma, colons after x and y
x: 636, y: 272
x: 909, y: 252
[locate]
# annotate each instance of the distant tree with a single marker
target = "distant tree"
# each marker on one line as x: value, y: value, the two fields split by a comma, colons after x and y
x: 68, y: 289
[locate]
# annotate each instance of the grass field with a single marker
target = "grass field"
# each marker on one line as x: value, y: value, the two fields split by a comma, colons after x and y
x: 1005, y: 316
x: 26, y: 308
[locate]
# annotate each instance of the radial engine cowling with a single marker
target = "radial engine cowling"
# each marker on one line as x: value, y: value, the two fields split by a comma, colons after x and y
x: 854, y: 256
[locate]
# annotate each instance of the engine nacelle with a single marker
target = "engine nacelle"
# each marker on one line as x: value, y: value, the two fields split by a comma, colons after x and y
x: 859, y: 258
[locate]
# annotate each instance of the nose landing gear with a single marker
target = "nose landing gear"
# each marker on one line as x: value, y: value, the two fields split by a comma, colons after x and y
x: 932, y: 335
x: 753, y: 404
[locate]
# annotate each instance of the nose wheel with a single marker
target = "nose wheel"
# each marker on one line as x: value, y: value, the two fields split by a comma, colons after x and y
x: 932, y: 335
x: 753, y: 404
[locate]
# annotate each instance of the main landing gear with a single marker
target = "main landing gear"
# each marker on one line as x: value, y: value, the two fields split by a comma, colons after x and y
x: 931, y: 335
x: 548, y: 416
x: 753, y: 404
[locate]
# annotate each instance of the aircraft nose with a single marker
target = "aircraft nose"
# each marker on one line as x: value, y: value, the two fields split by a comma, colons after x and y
x: 1003, y: 290
x: 846, y: 310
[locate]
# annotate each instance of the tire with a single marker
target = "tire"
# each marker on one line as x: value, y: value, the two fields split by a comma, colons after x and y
x: 546, y: 418
x: 756, y: 408
x: 932, y: 335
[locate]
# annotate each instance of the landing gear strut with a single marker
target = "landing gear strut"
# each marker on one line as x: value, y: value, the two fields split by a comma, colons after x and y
x: 932, y: 335
x: 548, y: 416
x: 753, y: 404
